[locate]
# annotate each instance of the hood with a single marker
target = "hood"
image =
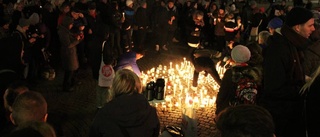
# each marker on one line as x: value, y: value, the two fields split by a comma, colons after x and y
x: 128, y: 110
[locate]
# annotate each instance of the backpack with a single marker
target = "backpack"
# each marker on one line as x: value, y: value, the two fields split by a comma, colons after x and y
x: 246, y: 90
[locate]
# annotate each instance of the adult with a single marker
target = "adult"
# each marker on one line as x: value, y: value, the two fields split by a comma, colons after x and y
x: 128, y: 60
x: 245, y: 120
x: 29, y: 106
x: 274, y: 25
x: 128, y: 113
x: 239, y: 72
x: 311, y: 89
x: 284, y: 74
x: 69, y: 58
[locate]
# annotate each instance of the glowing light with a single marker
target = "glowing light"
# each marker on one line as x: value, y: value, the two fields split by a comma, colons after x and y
x: 179, y: 92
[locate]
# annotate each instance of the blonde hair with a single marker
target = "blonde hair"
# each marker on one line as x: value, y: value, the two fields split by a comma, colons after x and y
x: 125, y: 82
x: 310, y: 82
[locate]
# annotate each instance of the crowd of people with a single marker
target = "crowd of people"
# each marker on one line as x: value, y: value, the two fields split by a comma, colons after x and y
x: 276, y: 51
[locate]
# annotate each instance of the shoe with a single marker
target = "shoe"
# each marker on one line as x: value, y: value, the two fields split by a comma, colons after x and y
x: 157, y: 48
x: 164, y: 47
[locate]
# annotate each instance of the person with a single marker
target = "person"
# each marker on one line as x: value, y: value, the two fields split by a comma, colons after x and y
x: 233, y: 77
x: 160, y: 24
x: 141, y: 25
x: 263, y: 38
x: 312, y: 54
x: 284, y: 74
x: 69, y: 58
x: 128, y: 113
x: 274, y: 25
x: 10, y: 94
x: 4, y: 27
x: 128, y: 60
x: 245, y: 120
x: 101, y: 44
x: 34, y: 129
x: 203, y: 61
x: 29, y: 106
x: 311, y: 110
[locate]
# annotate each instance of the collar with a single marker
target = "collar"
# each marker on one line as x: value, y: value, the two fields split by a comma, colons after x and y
x: 301, y: 43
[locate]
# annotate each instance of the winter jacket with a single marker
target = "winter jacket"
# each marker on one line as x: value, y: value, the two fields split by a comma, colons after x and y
x: 68, y: 50
x: 128, y: 60
x: 124, y: 116
x: 227, y: 91
x: 283, y: 78
x: 312, y: 58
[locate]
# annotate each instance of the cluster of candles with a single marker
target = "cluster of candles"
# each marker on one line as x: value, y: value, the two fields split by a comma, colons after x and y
x: 179, y: 92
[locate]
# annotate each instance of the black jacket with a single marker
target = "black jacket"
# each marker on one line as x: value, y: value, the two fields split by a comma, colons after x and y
x: 283, y: 78
x: 126, y: 115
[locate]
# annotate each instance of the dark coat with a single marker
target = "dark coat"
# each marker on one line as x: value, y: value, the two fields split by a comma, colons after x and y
x: 312, y: 58
x: 283, y: 78
x: 227, y: 91
x: 68, y: 50
x: 172, y: 12
x: 312, y: 108
x: 126, y: 115
x: 141, y: 18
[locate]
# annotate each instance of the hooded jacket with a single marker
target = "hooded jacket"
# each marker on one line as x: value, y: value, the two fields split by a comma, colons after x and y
x: 124, y: 116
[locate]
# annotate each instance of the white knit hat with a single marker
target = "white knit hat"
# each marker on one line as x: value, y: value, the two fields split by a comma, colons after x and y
x: 240, y: 54
x: 129, y: 2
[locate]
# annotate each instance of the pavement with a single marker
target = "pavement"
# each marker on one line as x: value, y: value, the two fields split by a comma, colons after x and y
x: 71, y: 113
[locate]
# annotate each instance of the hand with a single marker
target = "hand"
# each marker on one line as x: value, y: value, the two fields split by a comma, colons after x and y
x: 81, y: 28
x: 34, y: 35
x: 32, y: 40
x: 196, y: 29
x: 196, y: 55
x: 173, y: 18
x: 128, y: 28
x: 81, y: 15
x: 90, y: 31
x: 78, y: 37
x: 41, y: 36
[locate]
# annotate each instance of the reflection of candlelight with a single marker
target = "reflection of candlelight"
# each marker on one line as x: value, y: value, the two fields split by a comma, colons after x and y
x: 178, y: 81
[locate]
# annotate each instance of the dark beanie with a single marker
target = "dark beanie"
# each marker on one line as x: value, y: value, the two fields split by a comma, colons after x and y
x: 298, y: 15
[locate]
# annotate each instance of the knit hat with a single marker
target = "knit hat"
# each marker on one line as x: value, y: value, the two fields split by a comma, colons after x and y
x: 298, y: 15
x: 129, y: 2
x: 24, y: 22
x: 275, y: 23
x: 34, y: 19
x: 240, y: 54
